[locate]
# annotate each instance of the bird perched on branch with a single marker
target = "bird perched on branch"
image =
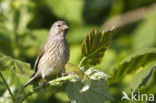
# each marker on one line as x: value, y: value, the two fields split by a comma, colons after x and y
x: 53, y: 55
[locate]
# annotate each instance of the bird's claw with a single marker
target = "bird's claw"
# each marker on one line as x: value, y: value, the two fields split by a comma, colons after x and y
x: 45, y: 83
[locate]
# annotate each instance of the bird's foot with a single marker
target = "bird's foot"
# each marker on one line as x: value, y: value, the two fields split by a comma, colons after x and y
x: 45, y: 83
x: 63, y: 72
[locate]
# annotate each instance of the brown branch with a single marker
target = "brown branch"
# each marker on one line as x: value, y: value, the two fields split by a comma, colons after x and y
x: 129, y: 17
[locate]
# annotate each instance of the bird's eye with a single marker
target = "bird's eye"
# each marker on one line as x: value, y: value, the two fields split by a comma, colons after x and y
x: 59, y: 25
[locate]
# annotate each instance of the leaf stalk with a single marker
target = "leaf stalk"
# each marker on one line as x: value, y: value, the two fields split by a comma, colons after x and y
x: 81, y: 62
x: 10, y: 92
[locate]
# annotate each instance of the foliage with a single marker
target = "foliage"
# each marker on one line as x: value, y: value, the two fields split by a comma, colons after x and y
x: 96, y: 88
x: 95, y: 45
x: 83, y: 92
x: 133, y: 63
x: 142, y: 77
x: 146, y: 27
x: 127, y: 64
x: 95, y: 80
x: 19, y: 67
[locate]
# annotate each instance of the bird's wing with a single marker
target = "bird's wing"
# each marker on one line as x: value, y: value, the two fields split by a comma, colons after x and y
x: 38, y: 59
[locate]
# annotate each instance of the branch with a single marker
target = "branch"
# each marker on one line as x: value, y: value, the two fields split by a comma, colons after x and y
x: 129, y: 17
x: 11, y: 94
x: 53, y: 83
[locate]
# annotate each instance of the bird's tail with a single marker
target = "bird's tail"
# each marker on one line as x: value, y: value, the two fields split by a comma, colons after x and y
x: 31, y: 80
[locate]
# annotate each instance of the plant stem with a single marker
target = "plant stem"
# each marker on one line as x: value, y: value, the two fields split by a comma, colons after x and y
x: 83, y: 59
x: 51, y: 83
x: 30, y: 93
x: 11, y: 94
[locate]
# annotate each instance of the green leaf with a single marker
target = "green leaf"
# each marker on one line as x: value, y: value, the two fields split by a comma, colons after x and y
x: 18, y: 66
x: 94, y: 92
x: 142, y: 77
x: 14, y: 28
x: 133, y: 63
x: 95, y: 45
x: 67, y: 6
x: 20, y: 14
x: 95, y: 74
x: 145, y: 31
x: 97, y: 93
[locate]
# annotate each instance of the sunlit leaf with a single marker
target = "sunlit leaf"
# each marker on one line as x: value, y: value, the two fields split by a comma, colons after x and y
x: 73, y: 68
x: 95, y: 45
x: 133, y: 63
x: 95, y: 74
x: 141, y: 78
x: 18, y: 66
x: 94, y: 92
x: 97, y: 93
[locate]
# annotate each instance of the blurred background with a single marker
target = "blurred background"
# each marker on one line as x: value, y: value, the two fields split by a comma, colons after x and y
x: 24, y: 26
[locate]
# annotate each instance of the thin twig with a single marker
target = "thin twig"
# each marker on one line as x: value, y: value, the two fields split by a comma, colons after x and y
x: 11, y: 94
x: 51, y: 83
x: 129, y: 17
x: 30, y: 93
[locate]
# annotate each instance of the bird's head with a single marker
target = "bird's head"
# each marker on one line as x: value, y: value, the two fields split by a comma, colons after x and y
x: 59, y: 28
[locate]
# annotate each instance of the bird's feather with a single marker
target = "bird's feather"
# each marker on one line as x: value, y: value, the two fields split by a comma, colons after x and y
x: 34, y: 78
x: 37, y: 60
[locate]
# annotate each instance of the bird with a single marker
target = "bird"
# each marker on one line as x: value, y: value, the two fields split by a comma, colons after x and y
x: 53, y: 55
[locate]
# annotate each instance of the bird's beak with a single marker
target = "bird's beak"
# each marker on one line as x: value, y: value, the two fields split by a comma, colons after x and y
x: 65, y: 27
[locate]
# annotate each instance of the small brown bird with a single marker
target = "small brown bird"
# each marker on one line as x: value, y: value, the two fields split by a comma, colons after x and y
x: 53, y: 55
